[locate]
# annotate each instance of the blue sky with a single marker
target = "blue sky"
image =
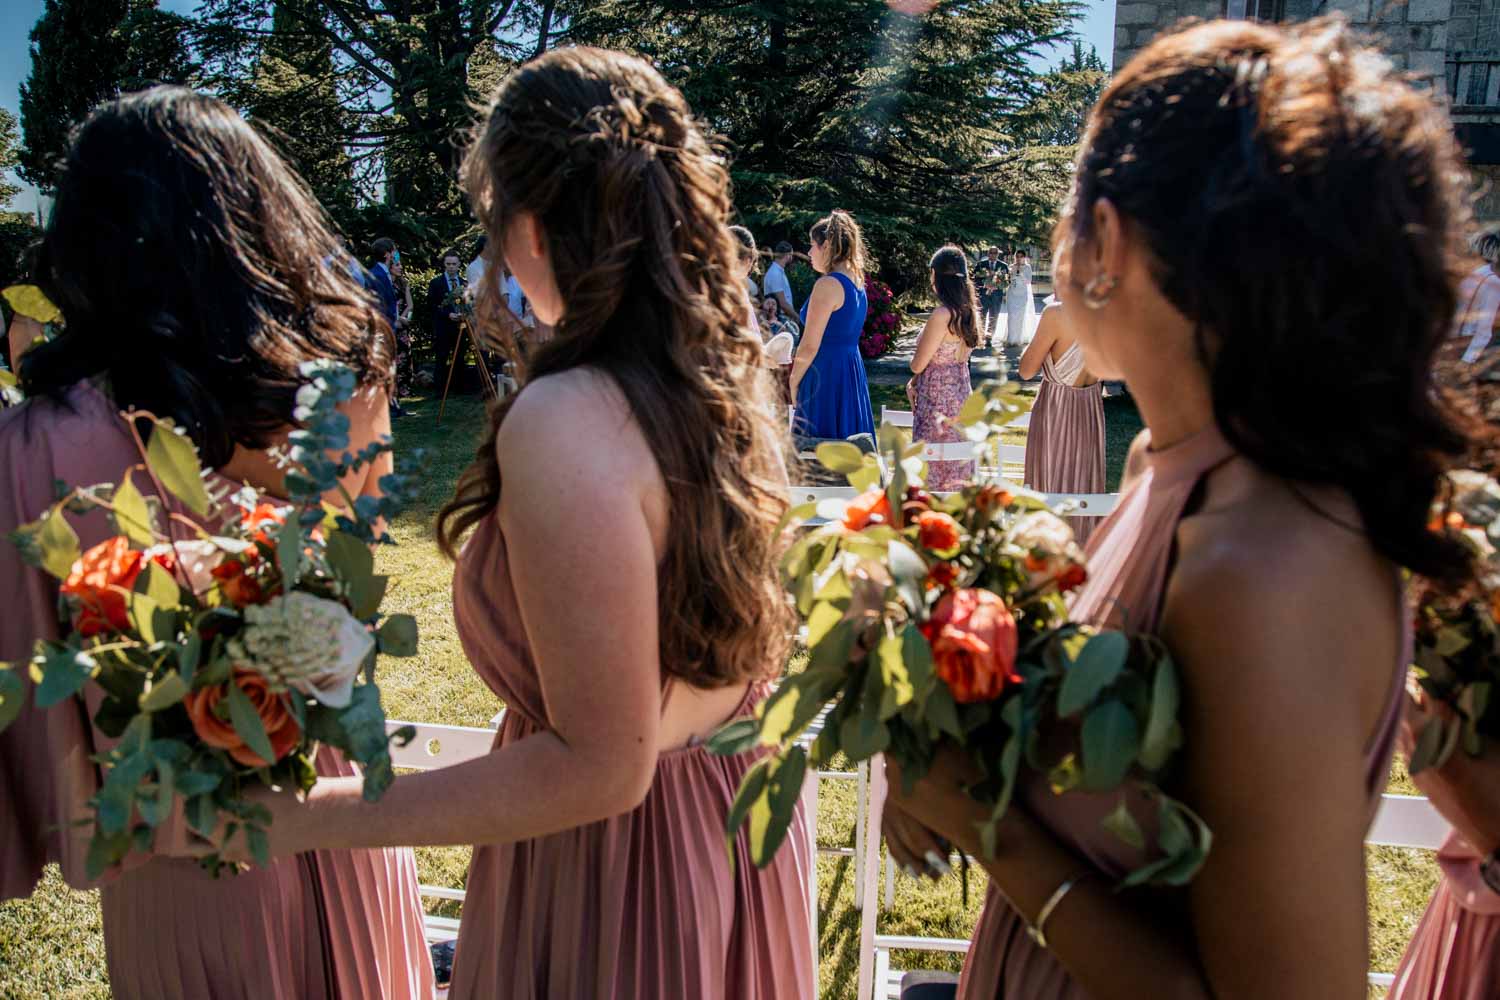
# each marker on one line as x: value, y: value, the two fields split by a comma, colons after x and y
x: 17, y: 17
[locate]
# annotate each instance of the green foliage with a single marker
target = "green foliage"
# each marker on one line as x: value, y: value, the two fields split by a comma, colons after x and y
x: 917, y: 125
x: 87, y: 51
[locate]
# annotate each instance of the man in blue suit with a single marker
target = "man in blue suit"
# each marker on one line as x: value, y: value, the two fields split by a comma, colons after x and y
x: 382, y: 253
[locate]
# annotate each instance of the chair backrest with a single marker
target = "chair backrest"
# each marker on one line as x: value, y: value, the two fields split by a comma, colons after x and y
x: 895, y: 418
x: 439, y: 746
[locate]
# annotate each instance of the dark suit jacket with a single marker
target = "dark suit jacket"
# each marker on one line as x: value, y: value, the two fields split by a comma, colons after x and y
x: 443, y: 328
x: 386, y: 290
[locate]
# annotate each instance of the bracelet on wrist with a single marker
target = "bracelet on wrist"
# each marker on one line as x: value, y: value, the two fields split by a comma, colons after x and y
x: 1038, y: 930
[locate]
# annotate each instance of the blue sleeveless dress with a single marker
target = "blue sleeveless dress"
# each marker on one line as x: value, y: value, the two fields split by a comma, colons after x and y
x: 833, y: 400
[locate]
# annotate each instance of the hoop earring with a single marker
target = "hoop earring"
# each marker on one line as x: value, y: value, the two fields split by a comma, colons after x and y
x: 1097, y: 292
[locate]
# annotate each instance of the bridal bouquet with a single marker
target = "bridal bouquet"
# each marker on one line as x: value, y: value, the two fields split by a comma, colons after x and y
x: 943, y: 620
x: 224, y: 647
x: 1457, y: 639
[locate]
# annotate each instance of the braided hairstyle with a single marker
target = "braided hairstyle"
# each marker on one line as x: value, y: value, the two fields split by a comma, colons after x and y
x: 1303, y: 206
x: 954, y: 289
x: 189, y: 263
x: 846, y: 243
x: 634, y: 201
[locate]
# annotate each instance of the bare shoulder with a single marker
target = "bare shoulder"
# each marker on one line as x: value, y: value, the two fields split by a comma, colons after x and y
x: 828, y: 289
x: 1278, y: 602
x: 574, y: 427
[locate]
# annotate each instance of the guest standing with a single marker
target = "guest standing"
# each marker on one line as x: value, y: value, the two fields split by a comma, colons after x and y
x: 475, y: 271
x: 1065, y: 443
x: 776, y: 286
x: 213, y: 339
x: 1269, y: 509
x: 747, y: 256
x: 941, y: 363
x: 1479, y: 301
x: 382, y: 256
x: 620, y: 589
x: 828, y: 376
x: 443, y: 294
x: 1020, y: 306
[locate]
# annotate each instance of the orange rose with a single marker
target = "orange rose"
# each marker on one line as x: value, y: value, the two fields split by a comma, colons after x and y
x: 1073, y: 577
x: 992, y: 498
x: 937, y: 531
x: 214, y: 728
x: 100, y: 582
x: 870, y: 507
x: 973, y: 639
x: 1495, y: 605
x: 238, y: 587
x: 942, y: 576
x: 264, y: 516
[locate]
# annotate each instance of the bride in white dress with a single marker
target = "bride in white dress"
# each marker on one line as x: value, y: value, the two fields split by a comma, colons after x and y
x: 1020, y: 309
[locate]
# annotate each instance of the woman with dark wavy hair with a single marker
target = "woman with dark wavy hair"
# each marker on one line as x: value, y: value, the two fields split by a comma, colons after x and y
x: 940, y: 365
x: 619, y: 590
x: 1261, y: 241
x: 186, y: 258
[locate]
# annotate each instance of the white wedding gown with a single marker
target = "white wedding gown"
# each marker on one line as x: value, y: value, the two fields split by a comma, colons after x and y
x: 1020, y: 309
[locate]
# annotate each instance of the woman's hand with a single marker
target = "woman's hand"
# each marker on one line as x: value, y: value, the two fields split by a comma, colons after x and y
x: 1465, y: 789
x: 939, y: 805
x: 911, y: 392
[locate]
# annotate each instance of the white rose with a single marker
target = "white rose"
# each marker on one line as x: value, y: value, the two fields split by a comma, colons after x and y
x: 307, y: 643
x: 196, y: 559
x: 1042, y: 529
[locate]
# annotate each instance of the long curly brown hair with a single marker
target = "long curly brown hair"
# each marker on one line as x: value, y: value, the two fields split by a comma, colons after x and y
x: 634, y: 200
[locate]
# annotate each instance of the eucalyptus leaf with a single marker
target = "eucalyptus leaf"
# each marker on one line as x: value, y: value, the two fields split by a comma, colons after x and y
x: 734, y: 738
x: 840, y: 457
x: 12, y: 695
x: 867, y: 477
x: 57, y: 545
x: 132, y: 516
x: 247, y: 724
x: 1122, y: 824
x: 168, y: 690
x: 64, y: 673
x: 1095, y: 667
x: 159, y: 585
x: 1111, y: 739
x: 783, y: 791
x: 916, y: 654
x: 398, y: 636
x: 173, y: 460
x: 1429, y: 744
x: 1163, y: 734
x: 289, y: 553
x: 941, y: 712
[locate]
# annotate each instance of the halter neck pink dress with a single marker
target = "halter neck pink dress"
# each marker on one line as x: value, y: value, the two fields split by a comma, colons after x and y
x: 331, y: 925
x: 1065, y: 444
x: 642, y: 906
x: 1455, y: 952
x: 1130, y: 559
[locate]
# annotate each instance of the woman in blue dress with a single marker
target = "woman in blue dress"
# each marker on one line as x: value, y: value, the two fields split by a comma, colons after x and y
x: 828, y: 377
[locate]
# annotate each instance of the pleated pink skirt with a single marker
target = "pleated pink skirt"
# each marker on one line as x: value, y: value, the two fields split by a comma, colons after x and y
x: 642, y: 906
x: 331, y: 925
x: 1065, y: 445
x: 1455, y: 952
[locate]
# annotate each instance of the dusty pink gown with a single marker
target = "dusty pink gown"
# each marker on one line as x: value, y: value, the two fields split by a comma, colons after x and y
x: 1129, y: 562
x: 642, y: 906
x: 1065, y: 444
x: 1455, y: 952
x: 332, y: 924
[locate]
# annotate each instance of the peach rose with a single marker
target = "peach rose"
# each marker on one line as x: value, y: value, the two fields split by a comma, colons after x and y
x: 238, y: 587
x: 213, y: 727
x: 264, y: 522
x: 101, y: 580
x: 870, y: 507
x: 974, y: 642
x: 942, y: 576
x: 937, y: 532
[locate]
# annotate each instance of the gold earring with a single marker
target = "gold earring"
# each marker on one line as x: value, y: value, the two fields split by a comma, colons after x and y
x: 1097, y: 292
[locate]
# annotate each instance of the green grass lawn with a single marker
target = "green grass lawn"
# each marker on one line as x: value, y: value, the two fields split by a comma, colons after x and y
x: 51, y: 947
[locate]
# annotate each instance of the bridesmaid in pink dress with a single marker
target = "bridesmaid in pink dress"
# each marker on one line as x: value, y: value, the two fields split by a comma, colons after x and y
x: 1065, y: 443
x: 1264, y: 524
x: 619, y: 591
x: 171, y: 323
x: 941, y: 366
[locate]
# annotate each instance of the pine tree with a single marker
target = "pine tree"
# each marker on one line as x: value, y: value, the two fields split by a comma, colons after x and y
x: 1069, y: 93
x: 84, y: 52
x: 915, y: 122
